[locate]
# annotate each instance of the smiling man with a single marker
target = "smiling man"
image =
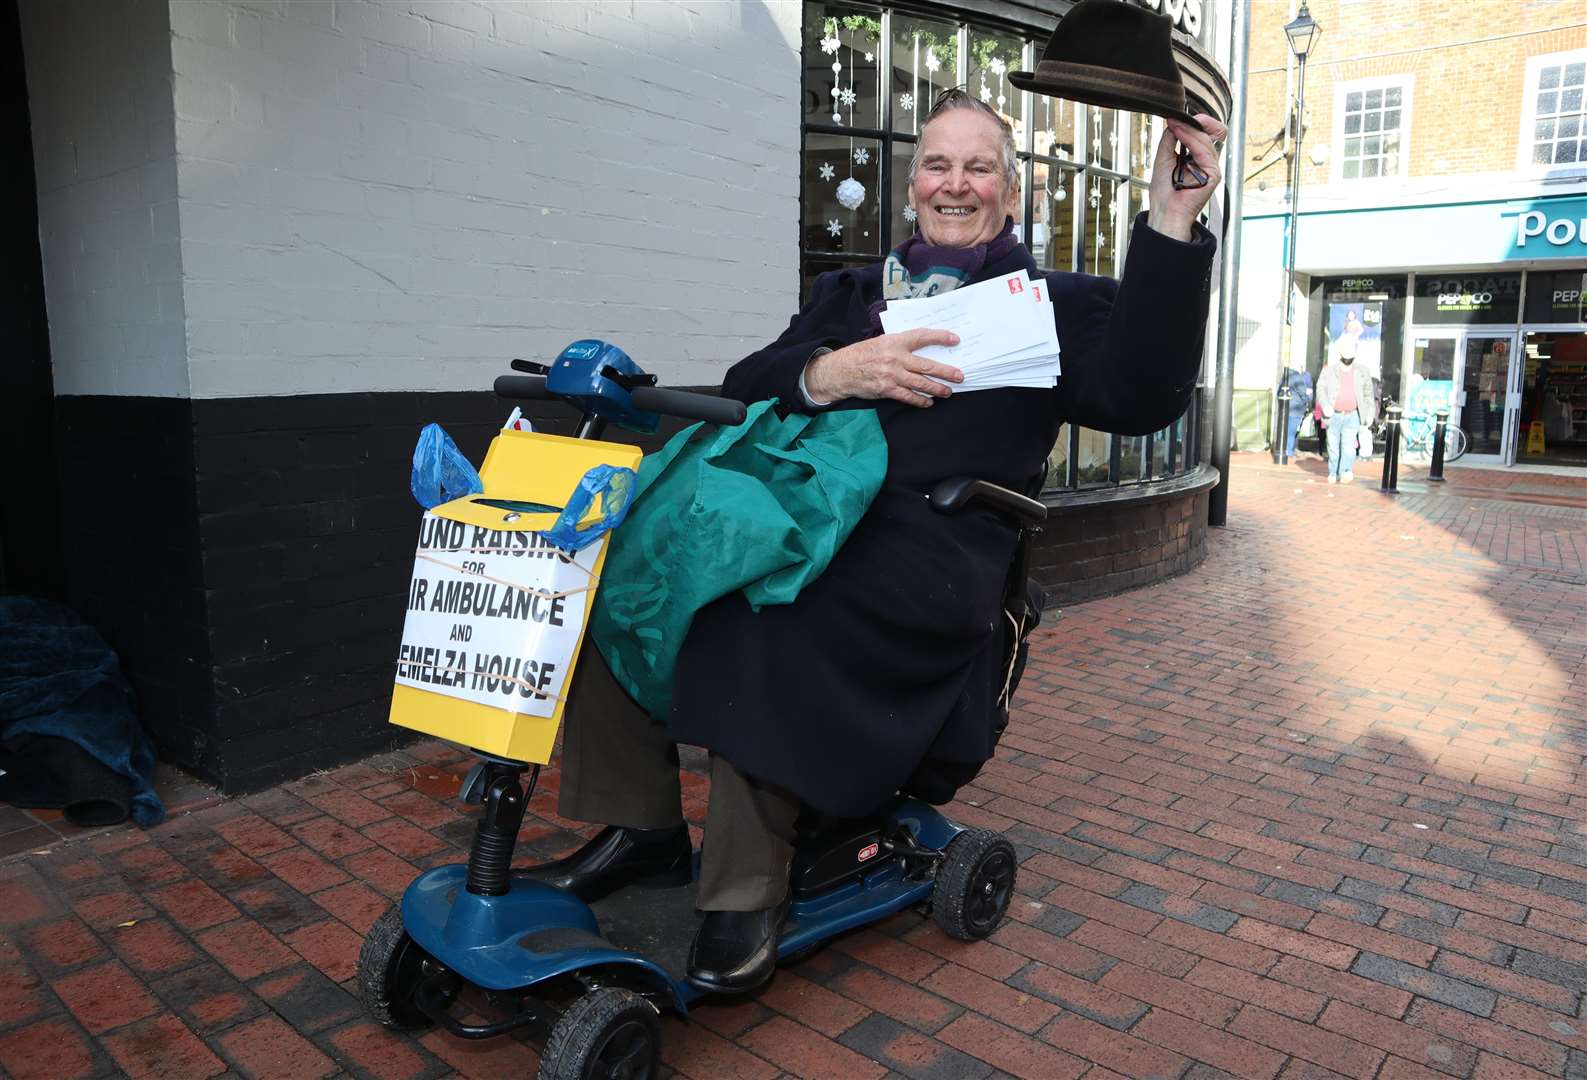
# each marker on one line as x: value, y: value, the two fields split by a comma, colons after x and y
x: 885, y: 673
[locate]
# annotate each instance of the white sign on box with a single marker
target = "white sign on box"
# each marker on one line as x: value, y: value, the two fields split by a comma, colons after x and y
x: 494, y: 617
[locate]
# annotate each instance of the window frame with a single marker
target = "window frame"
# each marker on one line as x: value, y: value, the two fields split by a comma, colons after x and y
x: 1526, y: 143
x: 1407, y: 86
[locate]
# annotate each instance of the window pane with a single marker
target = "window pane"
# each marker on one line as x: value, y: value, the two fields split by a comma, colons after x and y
x: 1352, y: 123
x: 903, y: 224
x: 1369, y: 167
x: 1054, y: 120
x: 1548, y: 78
x: 1546, y: 103
x: 1145, y: 145
x: 924, y: 57
x: 1370, y: 146
x: 1372, y: 121
x: 1569, y: 126
x: 992, y: 57
x: 1104, y: 135
x: 1352, y: 170
x: 1132, y: 458
x: 1139, y: 201
x: 1565, y: 151
x: 1093, y: 465
x: 1391, y: 97
x: 1543, y: 154
x: 814, y: 268
x: 1353, y: 101
x: 1160, y: 443
x: 829, y: 162
x: 1372, y: 99
x: 1391, y: 163
x: 1545, y: 129
x: 1052, y: 231
x: 1101, y: 239
x: 1058, y: 462
x: 1570, y: 100
x: 1182, y: 453
x: 1575, y: 74
x: 838, y: 38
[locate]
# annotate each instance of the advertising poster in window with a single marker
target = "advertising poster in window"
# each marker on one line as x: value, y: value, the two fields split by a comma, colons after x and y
x: 1355, y: 331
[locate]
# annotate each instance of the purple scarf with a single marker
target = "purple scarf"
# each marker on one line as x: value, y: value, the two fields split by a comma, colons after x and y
x: 916, y: 268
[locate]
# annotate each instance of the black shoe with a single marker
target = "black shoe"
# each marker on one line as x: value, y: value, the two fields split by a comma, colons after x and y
x: 616, y: 857
x: 736, y: 951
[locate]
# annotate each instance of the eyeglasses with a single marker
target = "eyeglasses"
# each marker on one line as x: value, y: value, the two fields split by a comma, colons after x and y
x: 1187, y: 174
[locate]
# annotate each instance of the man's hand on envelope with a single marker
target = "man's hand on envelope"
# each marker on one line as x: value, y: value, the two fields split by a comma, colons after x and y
x: 884, y: 367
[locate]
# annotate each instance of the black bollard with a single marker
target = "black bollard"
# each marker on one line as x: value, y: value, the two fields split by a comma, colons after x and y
x: 1283, y: 421
x: 1391, y: 451
x: 1435, y: 471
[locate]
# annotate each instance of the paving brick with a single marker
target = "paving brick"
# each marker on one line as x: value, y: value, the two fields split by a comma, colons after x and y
x: 277, y: 907
x: 812, y: 1005
x: 1225, y: 982
x: 1008, y: 1050
x: 1179, y: 907
x: 193, y: 905
x: 894, y: 957
x: 807, y: 1053
x: 899, y: 1000
x: 382, y: 870
x: 1499, y: 1038
x: 355, y: 903
x: 303, y: 869
x: 52, y: 1049
x: 331, y: 837
x: 1223, y: 948
x: 1062, y: 953
x: 696, y: 1052
x: 1387, y: 1000
x: 1414, y: 1044
x: 908, y: 1052
x: 329, y: 945
x: 253, y: 835
x: 147, y: 866
x: 104, y: 997
x: 152, y: 947
x: 1175, y: 995
x: 64, y: 943
x: 1424, y: 983
x: 207, y: 998
x: 1099, y: 1003
x: 1013, y: 1005
x: 1112, y: 1049
x: 267, y: 1049
x: 1443, y: 936
x: 371, y: 1052
x: 1306, y: 1041
x: 245, y: 948
x: 986, y: 957
x: 1305, y: 945
x: 162, y: 1047
x: 1538, y: 991
x: 22, y: 995
x: 306, y: 999
x: 1240, y: 1057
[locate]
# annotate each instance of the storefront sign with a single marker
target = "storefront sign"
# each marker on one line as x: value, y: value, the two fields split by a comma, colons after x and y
x: 1467, y: 298
x: 1186, y: 14
x: 1556, y: 297
x: 1364, y: 287
x: 1557, y: 231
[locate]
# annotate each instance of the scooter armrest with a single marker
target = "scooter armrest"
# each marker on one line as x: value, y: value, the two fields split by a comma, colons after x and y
x: 955, y: 493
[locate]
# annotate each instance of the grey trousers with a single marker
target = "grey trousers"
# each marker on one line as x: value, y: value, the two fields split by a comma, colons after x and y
x: 620, y: 768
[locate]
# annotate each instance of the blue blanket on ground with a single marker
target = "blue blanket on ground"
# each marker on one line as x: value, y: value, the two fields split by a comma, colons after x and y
x: 69, y: 731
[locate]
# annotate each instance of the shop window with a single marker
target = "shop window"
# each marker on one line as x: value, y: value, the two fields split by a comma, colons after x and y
x: 1556, y: 109
x: 1372, y: 127
x: 870, y: 75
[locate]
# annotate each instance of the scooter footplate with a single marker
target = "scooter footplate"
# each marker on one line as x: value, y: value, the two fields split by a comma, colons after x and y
x: 658, y: 924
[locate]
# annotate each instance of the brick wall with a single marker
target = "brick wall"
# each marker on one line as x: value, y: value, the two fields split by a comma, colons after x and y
x: 1468, y: 63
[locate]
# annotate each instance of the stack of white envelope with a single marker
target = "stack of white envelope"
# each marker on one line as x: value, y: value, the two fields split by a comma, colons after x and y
x: 1007, y: 335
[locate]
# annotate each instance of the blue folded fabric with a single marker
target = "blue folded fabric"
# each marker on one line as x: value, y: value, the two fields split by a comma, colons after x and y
x: 59, y: 680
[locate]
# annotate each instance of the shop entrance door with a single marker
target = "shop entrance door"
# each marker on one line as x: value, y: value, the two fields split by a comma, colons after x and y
x: 1435, y: 372
x: 1484, y: 391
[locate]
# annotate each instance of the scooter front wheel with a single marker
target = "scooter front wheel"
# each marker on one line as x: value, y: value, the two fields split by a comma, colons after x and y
x: 390, y: 966
x: 607, y: 1034
x: 974, y: 884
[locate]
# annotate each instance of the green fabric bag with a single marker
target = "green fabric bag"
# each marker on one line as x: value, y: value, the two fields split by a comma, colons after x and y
x: 761, y: 506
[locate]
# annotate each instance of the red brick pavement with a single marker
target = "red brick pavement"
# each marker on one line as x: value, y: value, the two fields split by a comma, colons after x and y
x: 1316, y: 809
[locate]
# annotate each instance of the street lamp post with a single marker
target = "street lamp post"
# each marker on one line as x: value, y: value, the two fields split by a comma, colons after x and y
x: 1303, y: 33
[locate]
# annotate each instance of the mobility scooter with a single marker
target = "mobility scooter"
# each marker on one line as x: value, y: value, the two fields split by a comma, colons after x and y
x: 588, y: 982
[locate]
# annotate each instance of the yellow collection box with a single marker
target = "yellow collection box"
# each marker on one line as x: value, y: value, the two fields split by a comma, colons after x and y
x: 496, y: 613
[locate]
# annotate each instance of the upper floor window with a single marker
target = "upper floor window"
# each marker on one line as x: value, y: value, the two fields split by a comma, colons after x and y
x: 1556, y: 133
x: 1372, y: 127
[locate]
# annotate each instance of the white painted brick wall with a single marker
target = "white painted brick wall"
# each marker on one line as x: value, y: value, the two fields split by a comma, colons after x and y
x: 402, y: 194
x: 99, y: 102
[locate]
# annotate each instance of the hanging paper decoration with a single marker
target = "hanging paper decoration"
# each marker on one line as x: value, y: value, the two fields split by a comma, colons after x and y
x: 906, y: 102
x: 870, y: 58
x: 932, y: 63
x: 846, y: 96
x: 835, y: 227
x: 829, y: 45
x: 827, y: 171
x: 861, y: 156
x: 851, y: 193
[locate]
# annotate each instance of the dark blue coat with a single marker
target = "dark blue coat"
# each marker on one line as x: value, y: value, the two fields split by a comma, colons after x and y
x: 893, y: 654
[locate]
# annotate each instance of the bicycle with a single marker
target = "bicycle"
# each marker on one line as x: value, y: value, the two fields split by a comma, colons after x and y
x: 1416, y: 437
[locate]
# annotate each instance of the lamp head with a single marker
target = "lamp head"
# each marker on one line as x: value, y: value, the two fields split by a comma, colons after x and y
x: 1302, y: 32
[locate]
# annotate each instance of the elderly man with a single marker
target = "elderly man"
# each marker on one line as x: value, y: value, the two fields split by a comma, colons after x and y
x: 891, y: 659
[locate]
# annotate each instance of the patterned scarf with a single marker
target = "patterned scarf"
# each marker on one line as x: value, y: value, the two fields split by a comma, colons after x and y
x: 916, y: 268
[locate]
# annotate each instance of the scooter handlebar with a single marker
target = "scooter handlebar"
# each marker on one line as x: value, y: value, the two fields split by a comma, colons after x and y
x: 679, y: 403
x: 713, y: 410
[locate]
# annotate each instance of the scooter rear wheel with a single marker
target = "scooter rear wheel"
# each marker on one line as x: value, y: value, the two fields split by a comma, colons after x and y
x: 607, y: 1034
x: 974, y: 884
x: 390, y: 965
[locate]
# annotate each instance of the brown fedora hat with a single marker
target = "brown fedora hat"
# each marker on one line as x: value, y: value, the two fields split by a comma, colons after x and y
x: 1112, y: 53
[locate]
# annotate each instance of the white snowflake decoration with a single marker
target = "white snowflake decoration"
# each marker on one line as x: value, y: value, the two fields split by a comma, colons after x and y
x: 827, y: 171
x: 861, y: 156
x: 851, y: 193
x: 998, y: 67
x: 910, y: 215
x: 830, y: 45
x: 869, y: 57
x: 986, y: 92
x: 845, y: 95
x: 835, y: 227
x: 932, y: 63
x: 906, y: 102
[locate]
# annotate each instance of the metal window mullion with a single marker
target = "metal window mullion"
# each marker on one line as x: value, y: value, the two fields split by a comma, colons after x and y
x: 1115, y: 453
x: 884, y: 167
x: 1072, y: 477
x: 1082, y: 122
x: 1026, y: 165
x: 963, y: 57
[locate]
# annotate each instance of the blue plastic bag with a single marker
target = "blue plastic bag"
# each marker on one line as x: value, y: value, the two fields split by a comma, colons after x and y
x: 440, y: 471
x: 615, y: 486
